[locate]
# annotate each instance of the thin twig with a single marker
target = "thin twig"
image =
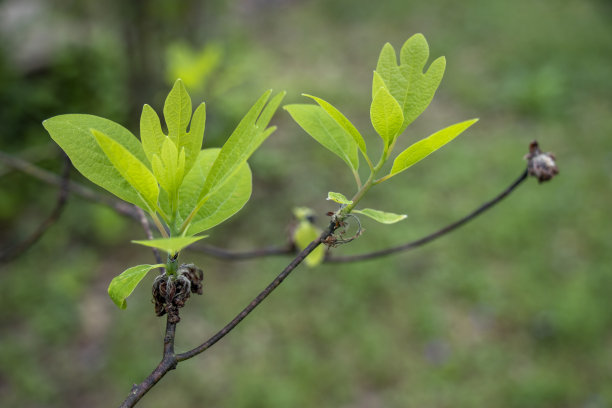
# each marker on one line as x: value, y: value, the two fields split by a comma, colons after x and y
x: 13, y: 252
x: 167, y: 363
x: 428, y: 238
x: 221, y: 253
x: 251, y: 306
x: 30, y: 169
x: 145, y: 225
x: 170, y: 360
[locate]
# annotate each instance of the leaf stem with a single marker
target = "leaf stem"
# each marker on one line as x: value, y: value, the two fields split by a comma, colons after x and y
x: 357, y: 179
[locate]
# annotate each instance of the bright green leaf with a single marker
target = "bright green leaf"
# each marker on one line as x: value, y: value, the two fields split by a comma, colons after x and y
x: 381, y: 216
x: 421, y: 86
x: 170, y: 245
x: 425, y: 147
x: 325, y: 130
x: 227, y: 200
x: 390, y: 73
x: 304, y: 233
x: 342, y: 121
x: 377, y: 83
x: 339, y: 198
x: 407, y: 83
x: 132, y: 169
x: 123, y: 285
x: 415, y: 53
x: 192, y: 142
x: 177, y: 111
x: 151, y: 134
x: 246, y: 138
x: 72, y: 133
x: 386, y: 115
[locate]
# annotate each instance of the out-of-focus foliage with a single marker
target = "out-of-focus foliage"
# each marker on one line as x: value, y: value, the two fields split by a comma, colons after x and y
x: 512, y: 310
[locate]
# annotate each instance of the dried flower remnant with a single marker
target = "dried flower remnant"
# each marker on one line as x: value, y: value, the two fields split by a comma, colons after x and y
x: 171, y: 292
x: 541, y: 165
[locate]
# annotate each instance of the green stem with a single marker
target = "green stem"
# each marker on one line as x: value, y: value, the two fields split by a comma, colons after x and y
x: 158, y: 224
x: 368, y: 184
x: 357, y: 179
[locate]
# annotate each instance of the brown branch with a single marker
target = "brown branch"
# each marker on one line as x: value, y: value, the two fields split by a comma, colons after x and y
x: 13, y: 252
x: 170, y: 359
x: 167, y: 363
x: 146, y: 226
x: 221, y: 253
x: 259, y: 298
x: 428, y: 238
x: 30, y: 169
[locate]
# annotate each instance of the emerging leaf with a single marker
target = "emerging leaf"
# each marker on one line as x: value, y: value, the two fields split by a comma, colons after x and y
x: 72, y: 133
x: 327, y: 131
x: 130, y: 168
x: 381, y: 216
x: 177, y: 111
x: 246, y: 138
x: 303, y: 235
x: 342, y: 121
x: 425, y: 147
x: 407, y: 83
x: 386, y: 115
x: 123, y: 285
x: 151, y: 134
x: 339, y: 198
x: 169, y: 168
x: 389, y: 72
x: 170, y: 245
x: 227, y: 200
x: 192, y: 142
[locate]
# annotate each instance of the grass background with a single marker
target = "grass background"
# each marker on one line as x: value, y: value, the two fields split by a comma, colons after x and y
x: 512, y: 310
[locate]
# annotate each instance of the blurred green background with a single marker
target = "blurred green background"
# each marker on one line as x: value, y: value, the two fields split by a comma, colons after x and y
x: 512, y: 310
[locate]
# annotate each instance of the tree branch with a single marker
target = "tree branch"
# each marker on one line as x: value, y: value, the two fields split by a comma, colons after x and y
x: 221, y: 253
x: 30, y: 169
x: 259, y: 298
x: 170, y: 360
x: 428, y: 238
x: 13, y: 252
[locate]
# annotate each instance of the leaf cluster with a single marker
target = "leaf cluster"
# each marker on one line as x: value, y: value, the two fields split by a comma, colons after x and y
x: 185, y: 189
x: 400, y: 93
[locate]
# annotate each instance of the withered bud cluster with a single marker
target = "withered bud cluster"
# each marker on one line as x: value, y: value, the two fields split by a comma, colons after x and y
x: 540, y: 165
x: 170, y: 292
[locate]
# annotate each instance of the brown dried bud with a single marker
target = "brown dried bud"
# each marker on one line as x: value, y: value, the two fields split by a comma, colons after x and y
x: 171, y: 292
x: 540, y: 165
x: 195, y: 276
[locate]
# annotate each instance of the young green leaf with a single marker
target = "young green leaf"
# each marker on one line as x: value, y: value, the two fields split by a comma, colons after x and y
x: 72, y: 133
x: 192, y: 142
x: 339, y: 198
x: 151, y: 134
x: 381, y: 216
x: 123, y: 285
x: 246, y: 138
x: 177, y: 111
x: 169, y: 168
x: 421, y: 86
x: 303, y: 235
x: 377, y: 83
x: 390, y: 73
x: 325, y: 130
x: 425, y: 147
x: 407, y: 83
x: 342, y: 121
x: 227, y: 200
x: 170, y: 245
x: 386, y: 115
x: 130, y: 168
